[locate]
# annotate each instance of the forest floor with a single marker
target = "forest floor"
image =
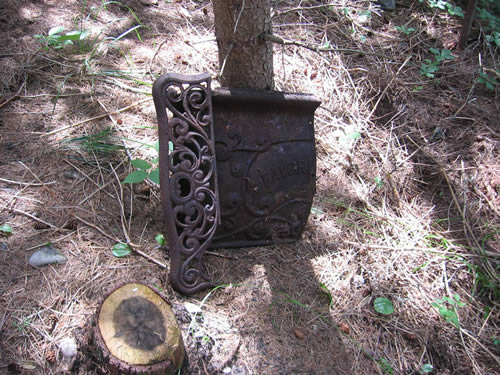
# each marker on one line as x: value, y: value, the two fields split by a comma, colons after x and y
x: 407, y: 205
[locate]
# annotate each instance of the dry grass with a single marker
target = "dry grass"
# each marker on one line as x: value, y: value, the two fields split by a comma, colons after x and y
x: 407, y: 207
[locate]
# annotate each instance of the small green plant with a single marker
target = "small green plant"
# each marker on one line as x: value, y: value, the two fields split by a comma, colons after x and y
x: 426, y: 369
x: 447, y: 306
x: 452, y: 9
x: 160, y: 239
x: 385, y: 366
x: 56, y: 39
x: 383, y: 306
x: 405, y: 30
x: 206, y: 339
x: 146, y: 169
x: 441, y: 54
x: 22, y: 325
x: 494, y: 37
x: 121, y: 250
x: 429, y: 67
x: 327, y: 292
x: 6, y: 229
x: 489, y: 82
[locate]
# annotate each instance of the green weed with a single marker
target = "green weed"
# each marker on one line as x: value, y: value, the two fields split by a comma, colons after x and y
x: 56, y: 39
x: 405, y: 30
x: 447, y: 308
x: 383, y: 306
x: 121, y: 250
x: 452, y: 9
x: 426, y: 369
x: 486, y: 80
x: 22, y: 325
x: 5, y: 229
x: 430, y: 66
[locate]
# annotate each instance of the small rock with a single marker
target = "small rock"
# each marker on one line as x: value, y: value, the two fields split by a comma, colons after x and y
x: 358, y: 280
x: 72, y: 174
x: 194, y: 311
x: 45, y: 256
x: 68, y: 347
x: 387, y: 4
x: 3, y: 246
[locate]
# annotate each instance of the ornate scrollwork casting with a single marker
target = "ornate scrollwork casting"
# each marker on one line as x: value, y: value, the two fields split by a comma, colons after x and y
x: 187, y: 174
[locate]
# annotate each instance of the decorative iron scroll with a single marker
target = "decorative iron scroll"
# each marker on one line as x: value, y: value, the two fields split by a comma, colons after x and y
x: 188, y: 180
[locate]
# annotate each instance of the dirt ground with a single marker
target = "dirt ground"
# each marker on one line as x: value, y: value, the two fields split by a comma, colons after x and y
x: 407, y: 204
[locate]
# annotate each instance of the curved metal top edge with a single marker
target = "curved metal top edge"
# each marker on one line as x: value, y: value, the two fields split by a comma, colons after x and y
x: 253, y: 95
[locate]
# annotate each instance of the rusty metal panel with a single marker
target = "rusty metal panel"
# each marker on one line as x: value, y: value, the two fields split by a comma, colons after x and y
x: 266, y: 163
x: 188, y: 181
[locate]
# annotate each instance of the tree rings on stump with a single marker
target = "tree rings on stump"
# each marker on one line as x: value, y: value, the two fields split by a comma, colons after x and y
x: 137, y: 333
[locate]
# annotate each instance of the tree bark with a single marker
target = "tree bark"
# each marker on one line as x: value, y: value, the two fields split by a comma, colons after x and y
x: 245, y: 58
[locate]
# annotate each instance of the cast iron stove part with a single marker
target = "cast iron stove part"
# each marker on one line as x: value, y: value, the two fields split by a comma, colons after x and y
x: 266, y: 165
x: 188, y: 180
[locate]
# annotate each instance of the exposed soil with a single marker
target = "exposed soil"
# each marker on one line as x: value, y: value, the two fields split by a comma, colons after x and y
x: 407, y: 208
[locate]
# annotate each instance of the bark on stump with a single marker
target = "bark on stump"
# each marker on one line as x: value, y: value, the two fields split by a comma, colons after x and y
x: 245, y: 58
x: 136, y: 332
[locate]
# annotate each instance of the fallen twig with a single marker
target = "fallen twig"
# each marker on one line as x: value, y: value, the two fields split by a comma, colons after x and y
x: 29, y: 215
x: 13, y: 96
x: 124, y: 227
x: 27, y: 183
x: 97, y: 117
x: 279, y: 40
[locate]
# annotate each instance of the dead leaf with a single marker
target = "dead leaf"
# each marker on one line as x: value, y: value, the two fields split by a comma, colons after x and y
x: 344, y: 328
x: 299, y: 333
x: 27, y: 365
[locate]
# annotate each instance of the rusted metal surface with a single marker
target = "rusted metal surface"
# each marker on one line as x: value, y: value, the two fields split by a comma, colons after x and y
x: 266, y: 164
x: 262, y: 146
x: 188, y: 180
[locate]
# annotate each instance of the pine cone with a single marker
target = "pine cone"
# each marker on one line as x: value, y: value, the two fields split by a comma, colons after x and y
x: 71, y: 224
x: 50, y: 356
x: 38, y: 225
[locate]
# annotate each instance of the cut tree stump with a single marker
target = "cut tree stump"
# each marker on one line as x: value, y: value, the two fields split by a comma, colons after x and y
x: 136, y: 332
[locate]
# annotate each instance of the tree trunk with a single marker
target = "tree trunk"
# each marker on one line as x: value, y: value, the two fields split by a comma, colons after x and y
x: 245, y: 59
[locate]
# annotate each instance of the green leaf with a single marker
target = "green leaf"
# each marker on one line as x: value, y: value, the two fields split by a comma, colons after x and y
x: 327, y: 292
x: 434, y: 51
x: 455, y: 10
x: 72, y: 35
x: 426, y: 368
x: 446, y: 54
x: 379, y: 181
x: 496, y: 341
x: 6, y: 228
x: 317, y: 211
x: 170, y: 147
x: 385, y: 366
x: 140, y: 164
x: 157, y: 146
x: 135, y: 177
x: 354, y: 135
x: 56, y: 30
x: 121, y: 250
x: 383, y: 306
x: 154, y: 175
x: 160, y: 238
